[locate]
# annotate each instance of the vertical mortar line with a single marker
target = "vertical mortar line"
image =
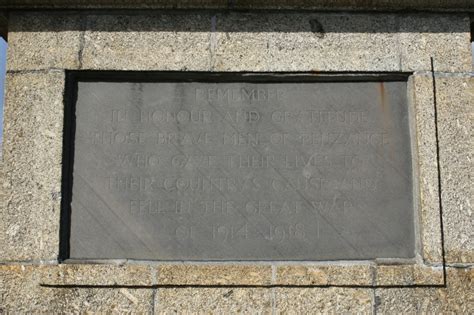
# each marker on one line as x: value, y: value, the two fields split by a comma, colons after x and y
x: 154, y: 284
x: 274, y: 268
x: 212, y: 41
x: 273, y: 300
x: 272, y: 289
x: 438, y: 160
x: 399, y: 47
x: 374, y: 302
x: 82, y: 39
x: 373, y: 275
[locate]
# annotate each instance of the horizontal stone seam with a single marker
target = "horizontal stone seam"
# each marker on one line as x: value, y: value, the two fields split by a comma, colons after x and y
x: 264, y: 286
x: 29, y: 263
x: 442, y: 74
x: 35, y: 71
x: 276, y: 264
x: 349, y: 72
x: 229, y: 264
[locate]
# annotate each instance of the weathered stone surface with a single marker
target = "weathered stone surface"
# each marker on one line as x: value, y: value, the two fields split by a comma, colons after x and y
x: 305, y: 42
x: 394, y: 275
x: 93, y: 274
x: 455, y: 112
x: 32, y: 151
x: 148, y: 42
x: 426, y: 275
x: 43, y: 41
x: 213, y: 300
x: 456, y: 298
x: 277, y: 42
x: 21, y: 292
x: 445, y: 38
x: 214, y: 274
x: 359, y: 275
x: 324, y: 275
x: 426, y: 172
x: 455, y: 96
x: 407, y: 275
x: 327, y: 300
x: 240, y: 41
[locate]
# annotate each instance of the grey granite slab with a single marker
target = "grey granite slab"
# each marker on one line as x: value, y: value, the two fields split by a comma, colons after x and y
x: 242, y: 171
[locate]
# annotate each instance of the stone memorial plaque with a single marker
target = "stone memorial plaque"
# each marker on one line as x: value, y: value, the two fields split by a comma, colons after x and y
x: 251, y: 170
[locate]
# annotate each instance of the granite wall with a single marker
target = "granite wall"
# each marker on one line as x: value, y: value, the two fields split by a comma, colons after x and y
x: 43, y: 46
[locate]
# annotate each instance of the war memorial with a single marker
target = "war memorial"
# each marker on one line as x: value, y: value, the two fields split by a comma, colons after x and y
x: 258, y: 157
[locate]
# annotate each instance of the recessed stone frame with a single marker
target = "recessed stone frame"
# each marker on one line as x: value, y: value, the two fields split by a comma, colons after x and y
x: 423, y: 270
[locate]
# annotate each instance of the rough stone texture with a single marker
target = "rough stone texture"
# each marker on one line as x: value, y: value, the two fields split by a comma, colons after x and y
x: 328, y: 300
x: 43, y: 41
x: 21, y: 292
x: 32, y: 150
x: 213, y: 300
x: 359, y: 275
x: 214, y: 274
x: 245, y: 4
x: 425, y: 275
x: 455, y: 116
x: 305, y: 42
x: 445, y: 38
x: 276, y: 42
x: 394, y: 275
x: 455, y: 96
x: 426, y: 171
x: 20, y: 283
x: 324, y: 275
x: 457, y: 297
x: 71, y: 274
x: 148, y: 42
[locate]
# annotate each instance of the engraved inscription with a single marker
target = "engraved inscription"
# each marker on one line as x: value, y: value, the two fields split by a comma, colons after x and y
x: 242, y: 171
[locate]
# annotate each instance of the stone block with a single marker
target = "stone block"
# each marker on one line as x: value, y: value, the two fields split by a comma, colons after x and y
x: 425, y: 168
x: 32, y: 151
x: 455, y: 98
x: 98, y: 275
x: 456, y: 298
x: 324, y: 275
x: 446, y: 38
x: 394, y: 275
x: 43, y: 41
x: 148, y: 42
x: 21, y: 291
x: 305, y: 42
x: 455, y: 116
x: 178, y: 274
x: 323, y: 300
x: 213, y: 300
